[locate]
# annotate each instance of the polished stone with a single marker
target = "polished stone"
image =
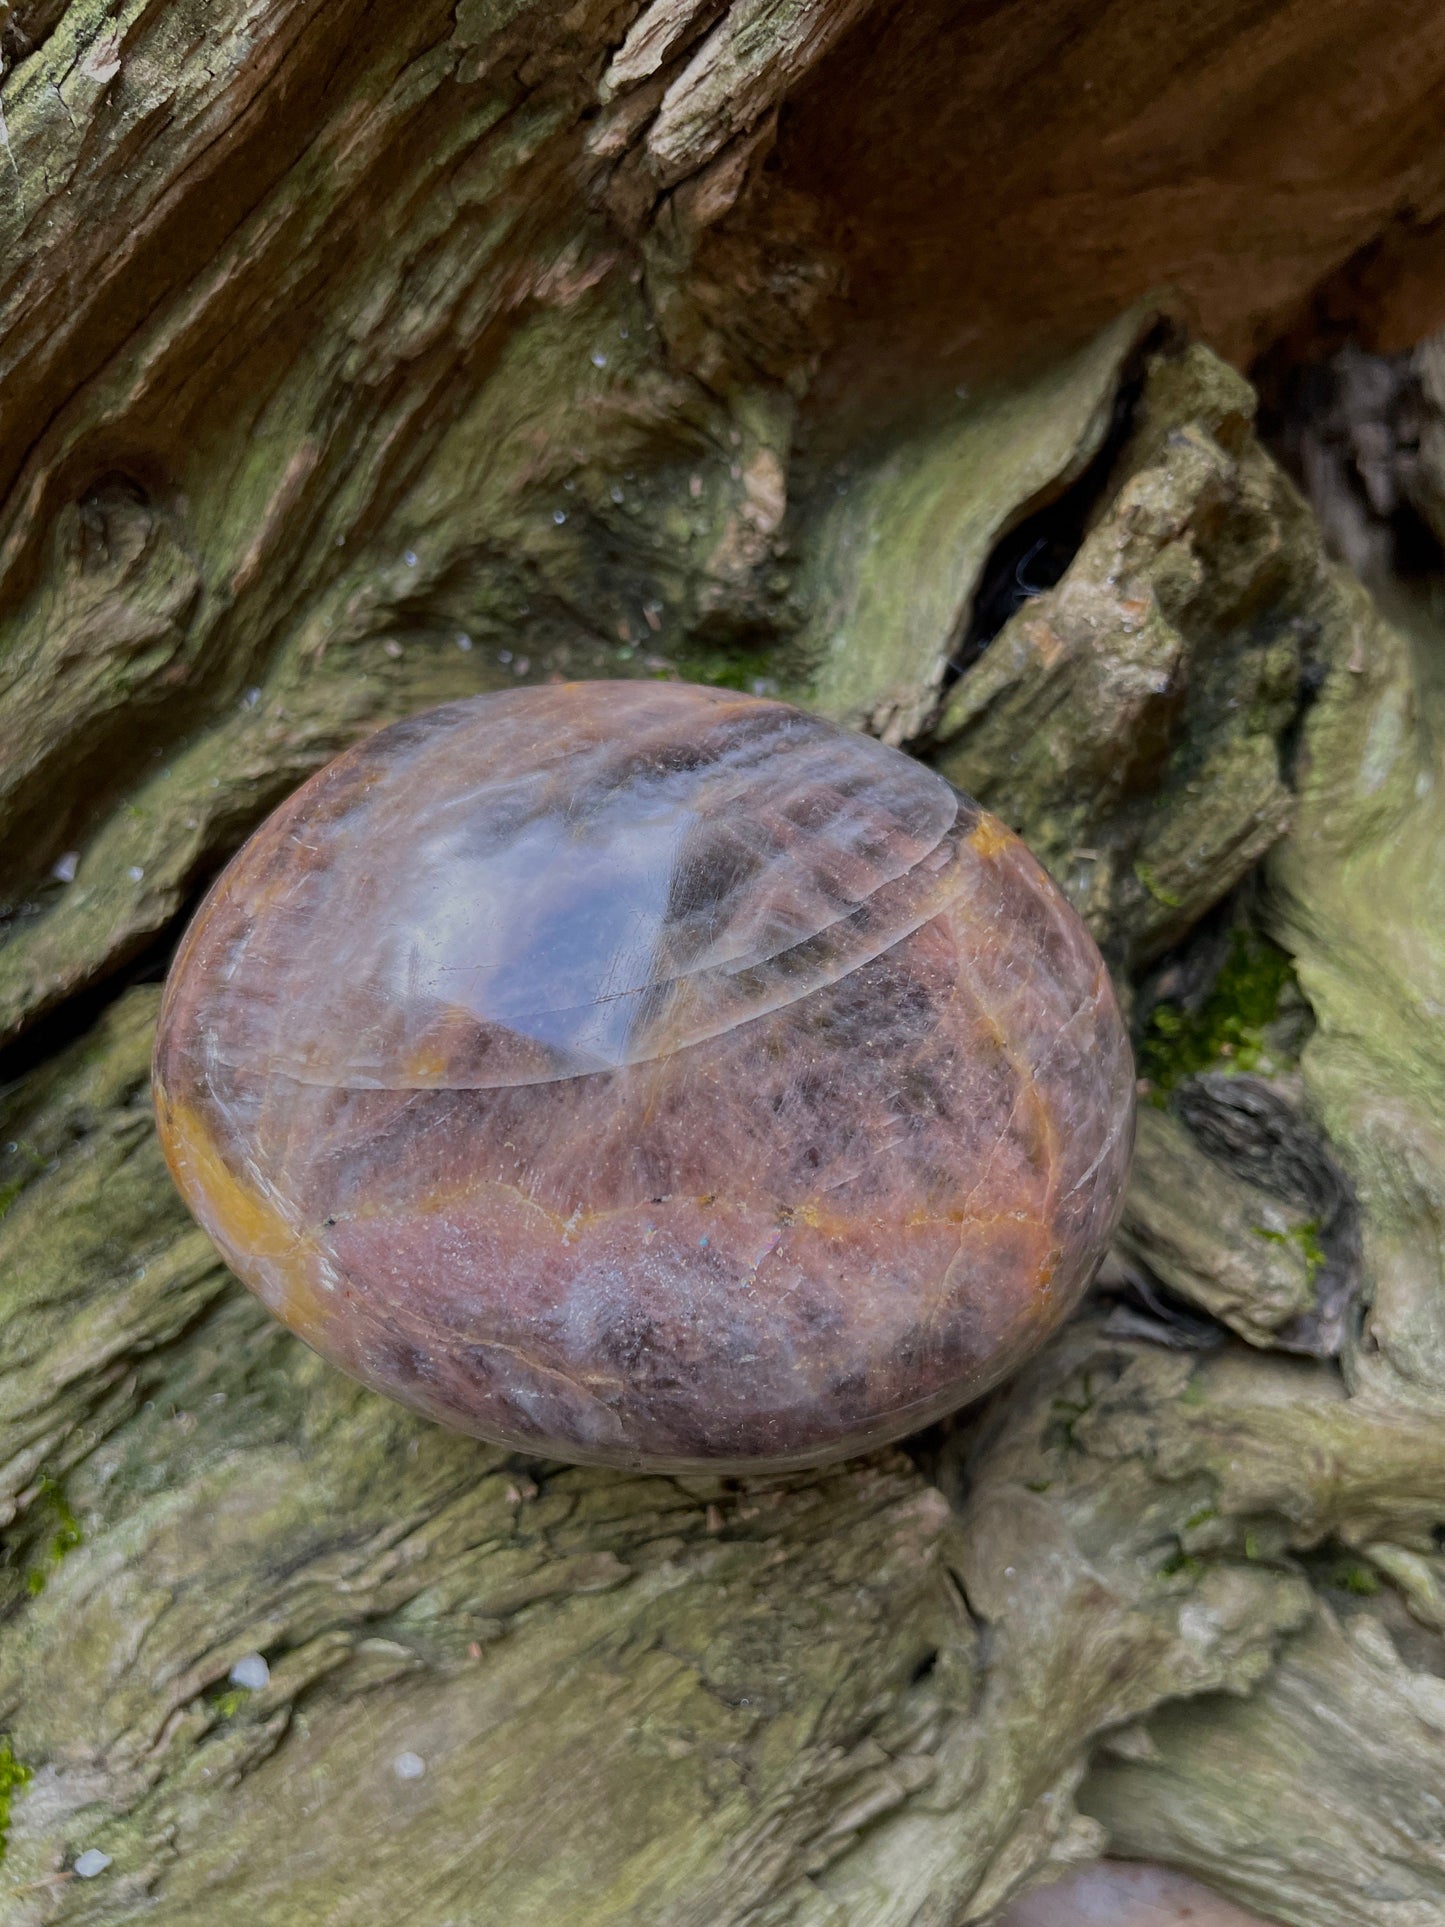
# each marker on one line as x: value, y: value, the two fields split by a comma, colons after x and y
x: 648, y: 1074
x: 1116, y: 1893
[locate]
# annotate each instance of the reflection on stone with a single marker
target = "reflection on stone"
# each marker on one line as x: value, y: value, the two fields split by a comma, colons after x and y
x: 648, y: 1074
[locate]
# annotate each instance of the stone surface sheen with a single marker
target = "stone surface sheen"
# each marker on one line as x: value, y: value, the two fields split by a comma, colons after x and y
x: 649, y: 1074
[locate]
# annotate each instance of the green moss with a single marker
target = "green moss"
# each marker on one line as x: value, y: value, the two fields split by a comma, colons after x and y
x: 65, y: 1537
x: 747, y: 670
x: 30, y: 1160
x: 1156, y: 889
x: 229, y: 1704
x: 1336, y: 1568
x: 1353, y: 1576
x: 1201, y: 1518
x: 1066, y: 1413
x: 1228, y: 1029
x: 1306, y: 1238
x: 1181, y: 1565
x: 13, y: 1773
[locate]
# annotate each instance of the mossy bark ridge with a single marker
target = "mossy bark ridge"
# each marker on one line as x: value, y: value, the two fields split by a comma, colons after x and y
x: 356, y: 360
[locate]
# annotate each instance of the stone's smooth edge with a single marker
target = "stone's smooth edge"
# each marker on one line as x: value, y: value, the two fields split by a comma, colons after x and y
x: 293, y: 1268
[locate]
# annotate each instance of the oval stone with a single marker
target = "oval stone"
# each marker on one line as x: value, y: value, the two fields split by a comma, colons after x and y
x: 648, y: 1074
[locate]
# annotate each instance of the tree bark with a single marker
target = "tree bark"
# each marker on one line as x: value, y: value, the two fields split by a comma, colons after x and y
x: 354, y: 359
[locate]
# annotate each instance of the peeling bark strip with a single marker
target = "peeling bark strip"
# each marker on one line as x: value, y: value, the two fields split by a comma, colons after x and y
x: 744, y: 69
x: 353, y: 359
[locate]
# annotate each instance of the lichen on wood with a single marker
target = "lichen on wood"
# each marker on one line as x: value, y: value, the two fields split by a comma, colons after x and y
x: 356, y: 360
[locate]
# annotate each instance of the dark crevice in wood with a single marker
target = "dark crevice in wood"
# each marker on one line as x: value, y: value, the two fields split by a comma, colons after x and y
x: 28, y: 29
x: 71, y: 1020
x: 1035, y: 554
x: 1141, y: 1305
x: 1347, y: 426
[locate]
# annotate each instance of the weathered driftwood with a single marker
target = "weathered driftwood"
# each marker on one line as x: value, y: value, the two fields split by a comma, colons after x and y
x: 353, y: 359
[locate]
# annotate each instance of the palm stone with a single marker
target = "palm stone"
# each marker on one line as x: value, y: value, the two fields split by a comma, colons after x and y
x: 648, y: 1074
